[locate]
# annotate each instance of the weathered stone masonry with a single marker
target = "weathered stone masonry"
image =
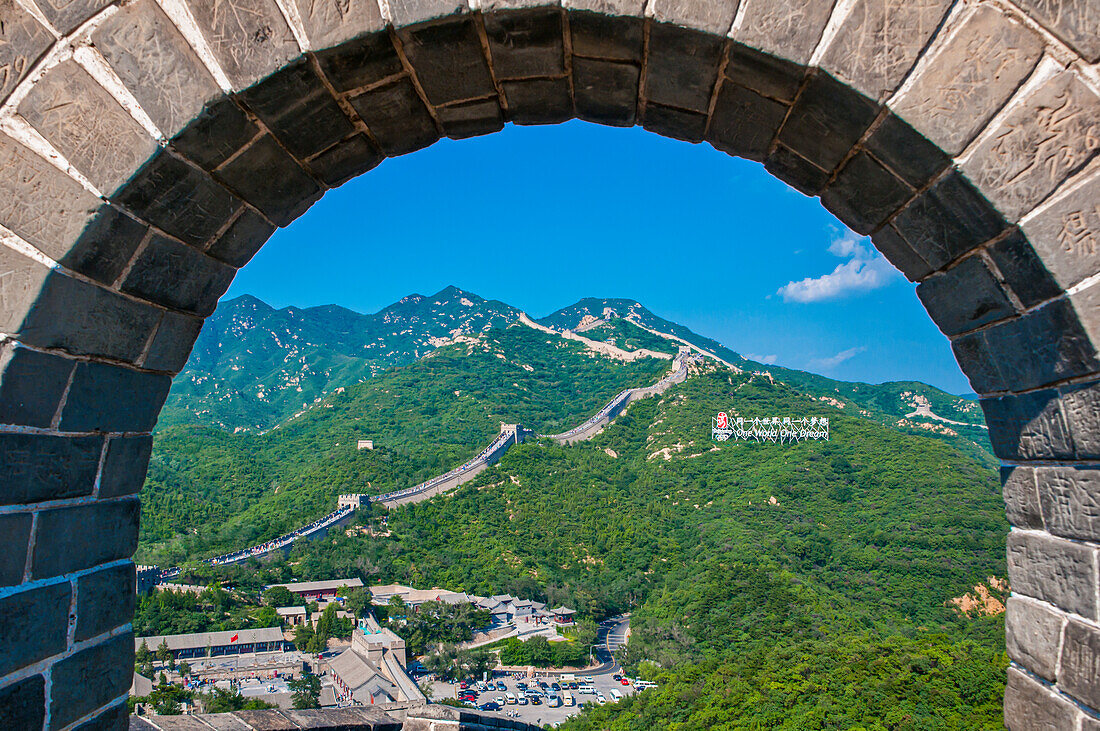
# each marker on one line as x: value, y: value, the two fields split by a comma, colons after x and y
x: 149, y: 148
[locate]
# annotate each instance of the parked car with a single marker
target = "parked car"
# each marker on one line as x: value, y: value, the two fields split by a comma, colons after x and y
x: 624, y: 681
x: 588, y: 679
x: 536, y: 701
x: 501, y: 686
x: 572, y: 685
x: 499, y: 700
x: 490, y: 706
x: 522, y: 700
x: 555, y: 687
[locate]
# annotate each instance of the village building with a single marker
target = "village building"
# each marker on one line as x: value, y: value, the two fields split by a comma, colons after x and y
x: 320, y: 590
x: 218, y: 644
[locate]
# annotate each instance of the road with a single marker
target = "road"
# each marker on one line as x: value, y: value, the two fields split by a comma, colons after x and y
x: 610, y: 636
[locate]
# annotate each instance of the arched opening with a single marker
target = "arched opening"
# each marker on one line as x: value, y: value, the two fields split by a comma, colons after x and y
x: 150, y: 149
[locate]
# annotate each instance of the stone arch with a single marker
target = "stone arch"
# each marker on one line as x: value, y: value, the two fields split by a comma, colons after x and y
x: 150, y: 147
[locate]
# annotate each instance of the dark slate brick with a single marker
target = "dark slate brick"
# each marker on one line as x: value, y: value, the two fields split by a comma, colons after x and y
x: 526, y: 43
x: 1022, y: 270
x: 299, y: 110
x: 125, y: 466
x: 948, y: 220
x: 85, y: 319
x: 179, y: 199
x: 271, y: 180
x: 31, y: 385
x: 91, y: 678
x: 1046, y: 345
x: 471, y: 119
x: 596, y: 35
x: 105, y: 246
x: 681, y: 67
x: 900, y: 254
x: 964, y: 297
x: 538, y: 101
x: 796, y: 171
x: 448, y: 60
x: 397, y: 117
x: 864, y: 194
x: 744, y: 123
x: 244, y: 237
x: 115, y: 718
x: 1028, y: 426
x: 175, y: 275
x: 216, y: 135
x: 16, y: 530
x: 23, y: 704
x: 361, y: 62
x: 104, y: 600
x: 34, y: 625
x: 172, y: 343
x: 675, y: 123
x: 346, y: 160
x: 827, y: 121
x: 80, y: 537
x: 763, y: 73
x: 38, y: 467
x: 113, y: 399
x: 605, y: 92
x: 907, y: 152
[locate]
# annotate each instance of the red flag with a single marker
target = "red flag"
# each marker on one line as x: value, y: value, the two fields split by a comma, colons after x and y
x: 234, y: 638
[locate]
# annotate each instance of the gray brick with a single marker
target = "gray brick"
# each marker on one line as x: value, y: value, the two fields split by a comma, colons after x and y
x: 22, y: 41
x: 172, y: 343
x: 87, y: 125
x: 448, y: 60
x: 94, y: 402
x: 34, y: 625
x: 971, y: 77
x: 596, y: 35
x: 215, y: 135
x: 91, y: 678
x: 1073, y: 22
x: 173, y: 274
x: 675, y: 123
x: 826, y: 121
x: 864, y: 194
x: 407, y: 12
x: 31, y: 384
x: 23, y: 704
x: 250, y: 38
x: 1029, y: 426
x: 361, y: 62
x: 179, y: 199
x: 1070, y: 501
x: 1054, y: 570
x: 1031, y: 706
x: 911, y: 156
x: 38, y: 467
x: 787, y: 28
x: 714, y: 17
x: 681, y: 67
x: 84, y: 536
x: 66, y: 15
x: 1021, y: 497
x: 16, y: 530
x: 1032, y: 635
x: 1023, y: 270
x: 345, y: 160
x: 298, y: 110
x: 1081, y: 405
x: 605, y: 92
x: 1065, y: 234
x: 948, y: 220
x: 1038, y: 144
x: 125, y: 466
x: 156, y: 64
x: 472, y: 118
x: 329, y: 24
x: 265, y: 720
x: 282, y: 192
x: 744, y: 123
x: 538, y: 101
x: 796, y: 171
x: 397, y: 117
x: 964, y: 297
x: 104, y: 600
x: 880, y: 40
x: 1079, y: 674
x: 526, y: 43
x: 244, y: 237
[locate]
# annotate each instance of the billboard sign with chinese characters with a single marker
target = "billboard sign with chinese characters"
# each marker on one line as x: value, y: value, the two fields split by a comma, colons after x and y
x: 781, y: 430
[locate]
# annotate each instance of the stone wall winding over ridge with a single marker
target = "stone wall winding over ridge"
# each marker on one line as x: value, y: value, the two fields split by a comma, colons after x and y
x: 148, y: 148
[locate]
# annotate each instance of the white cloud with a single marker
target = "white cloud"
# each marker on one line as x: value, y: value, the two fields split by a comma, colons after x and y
x: 834, y: 360
x: 865, y: 270
x: 765, y: 359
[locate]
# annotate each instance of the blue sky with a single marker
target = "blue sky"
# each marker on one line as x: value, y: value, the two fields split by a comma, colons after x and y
x: 540, y: 217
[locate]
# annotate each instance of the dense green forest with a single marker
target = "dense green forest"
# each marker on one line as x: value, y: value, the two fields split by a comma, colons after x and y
x: 771, y: 586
